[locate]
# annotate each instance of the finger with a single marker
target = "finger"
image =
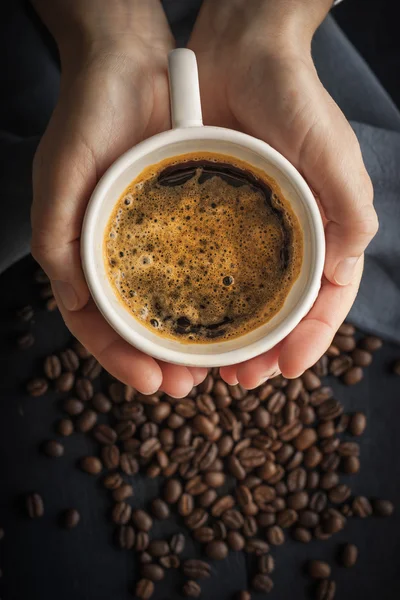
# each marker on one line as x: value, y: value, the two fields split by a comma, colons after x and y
x: 119, y: 358
x: 313, y: 336
x: 228, y: 374
x: 199, y: 374
x: 331, y: 161
x: 256, y: 371
x: 177, y: 380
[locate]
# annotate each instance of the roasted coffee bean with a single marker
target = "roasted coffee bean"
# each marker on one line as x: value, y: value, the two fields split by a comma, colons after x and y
x: 318, y: 397
x: 91, y: 368
x: 182, y: 454
x: 142, y: 520
x: 186, y: 408
x: 266, y: 564
x: 196, y: 486
x: 105, y: 435
x: 91, y: 465
x: 125, y: 537
x: 69, y: 360
x: 86, y: 421
x: 298, y: 500
x: 65, y: 427
x: 290, y: 431
x: 184, y: 435
x: 267, y: 470
x: 349, y: 449
x: 153, y: 572
x: 276, y: 402
x: 121, y: 513
x: 191, y: 589
x: 307, y: 416
x: 358, y: 423
x: 281, y: 488
x: 128, y: 464
x: 293, y: 389
x: 326, y: 590
x: 261, y: 418
x: 65, y: 382
x: 177, y: 543
x: 241, y: 445
x: 197, y: 518
x: 160, y: 509
x: 112, y: 481
x: 207, y: 498
x: 301, y: 534
x: 52, y: 367
x: 25, y: 341
x: 216, y: 549
x: 204, y: 534
x: 330, y: 409
x: 196, y: 569
x: 275, y: 535
x: 284, y: 454
x: 312, y: 457
x: 262, y: 583
x: 345, y: 343
x: 297, y: 480
x: 342, y: 424
x: 346, y: 510
x: 37, y: 387
x: 382, y: 508
x: 34, y: 505
x: 361, y: 358
x: 125, y: 430
x: 340, y: 365
x: 256, y: 546
x: 286, y: 518
x: 332, y: 521
x: 295, y: 461
x: 142, y: 541
x: 144, y: 589
x: 263, y: 495
x: 348, y: 555
x: 311, y: 381
x: 214, y: 479
x: 318, y: 502
x: 308, y: 518
x: 250, y: 526
x: 101, y: 403
x: 185, y: 502
x: 175, y: 421
x: 339, y: 494
x: 70, y: 518
x: 205, y: 404
x: 25, y: 314
x: 149, y: 447
x: 249, y: 403
x: 329, y: 445
x: 221, y: 505
x: 353, y: 376
x: 171, y: 561
x: 319, y: 569
x: 158, y: 548
x: 321, y: 366
x: 235, y: 540
x: 232, y: 518
x: 203, y: 425
x: 145, y: 557
x: 84, y: 389
x: 251, y: 457
x: 129, y: 411
x: 236, y: 468
x: 326, y: 429
x: 329, y: 480
x: 123, y: 492
x: 53, y: 449
x: 346, y: 329
x: 312, y: 480
x: 73, y: 406
x: 361, y: 507
x: 330, y: 462
x: 80, y: 350
x: 370, y: 343
x: 351, y: 464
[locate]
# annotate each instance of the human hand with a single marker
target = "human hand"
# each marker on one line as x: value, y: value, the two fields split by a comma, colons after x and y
x: 114, y: 93
x: 257, y: 76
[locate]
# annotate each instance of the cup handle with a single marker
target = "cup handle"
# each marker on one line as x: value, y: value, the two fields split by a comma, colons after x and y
x: 184, y: 89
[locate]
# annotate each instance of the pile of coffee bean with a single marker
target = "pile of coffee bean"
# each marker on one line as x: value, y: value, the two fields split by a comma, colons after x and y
x: 243, y: 470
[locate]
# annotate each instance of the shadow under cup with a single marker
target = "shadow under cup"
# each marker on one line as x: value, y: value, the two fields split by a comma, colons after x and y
x: 223, y: 141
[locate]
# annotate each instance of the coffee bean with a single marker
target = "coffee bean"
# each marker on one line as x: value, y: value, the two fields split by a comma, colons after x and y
x: 217, y: 550
x: 353, y: 376
x: 250, y: 527
x: 319, y: 569
x: 313, y: 479
x: 275, y: 535
x: 53, y: 449
x: 25, y: 314
x: 301, y: 534
x: 160, y: 509
x: 221, y: 505
x: 266, y: 564
x: 69, y: 360
x: 153, y: 572
x: 310, y: 380
x: 349, y: 449
x: 297, y: 480
x: 345, y: 343
x: 330, y: 409
x: 37, y: 387
x: 321, y: 366
x: 236, y: 468
x: 196, y: 486
x: 308, y: 518
x: 340, y: 365
x: 348, y: 555
x: 101, y: 403
x: 312, y: 457
x: 233, y: 519
x: 128, y: 464
x: 262, y: 583
x: 351, y: 464
x: 358, y: 423
x: 329, y: 445
x: 307, y: 415
x: 25, y: 341
x: 276, y: 402
x: 172, y: 491
x: 52, y: 367
x: 203, y: 425
x: 171, y: 561
x: 123, y: 492
x: 339, y: 494
x: 86, y: 421
x: 91, y: 368
x: 65, y: 382
x: 105, y: 435
x: 361, y: 507
x: 142, y: 541
x: 158, y: 548
x: 330, y: 462
x: 91, y: 465
x: 332, y: 521
x: 196, y: 569
x: 326, y: 429
x: 326, y: 590
x: 121, y: 513
x: 204, y: 534
x: 290, y: 431
x: 243, y: 595
x: 251, y: 457
x: 70, y: 518
x: 318, y: 397
x: 235, y: 540
x: 34, y: 505
x: 382, y: 508
x: 112, y: 481
x: 144, y: 589
x: 150, y: 447
x: 145, y: 557
x: 298, y: 500
x: 329, y: 480
x: 318, y: 501
x: 177, y: 543
x: 197, y: 518
x: 214, y: 479
x: 125, y: 537
x: 73, y: 406
x: 361, y: 358
x: 191, y: 589
x: 343, y: 423
x: 220, y: 530
x: 65, y: 427
x: 370, y: 343
x: 256, y: 546
x: 286, y: 518
x: 142, y: 520
x: 84, y: 389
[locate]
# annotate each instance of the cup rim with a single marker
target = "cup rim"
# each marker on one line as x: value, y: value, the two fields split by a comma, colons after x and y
x: 158, y: 351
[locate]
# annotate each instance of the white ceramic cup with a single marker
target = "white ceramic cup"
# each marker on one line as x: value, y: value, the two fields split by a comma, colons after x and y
x: 190, y: 135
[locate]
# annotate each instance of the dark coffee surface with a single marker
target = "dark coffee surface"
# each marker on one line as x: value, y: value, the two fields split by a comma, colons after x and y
x: 199, y: 248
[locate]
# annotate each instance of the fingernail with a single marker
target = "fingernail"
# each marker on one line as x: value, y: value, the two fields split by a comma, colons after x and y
x: 345, y: 270
x: 263, y: 380
x: 66, y: 294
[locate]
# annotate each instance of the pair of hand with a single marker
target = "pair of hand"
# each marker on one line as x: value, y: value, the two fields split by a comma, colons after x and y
x: 259, y: 79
